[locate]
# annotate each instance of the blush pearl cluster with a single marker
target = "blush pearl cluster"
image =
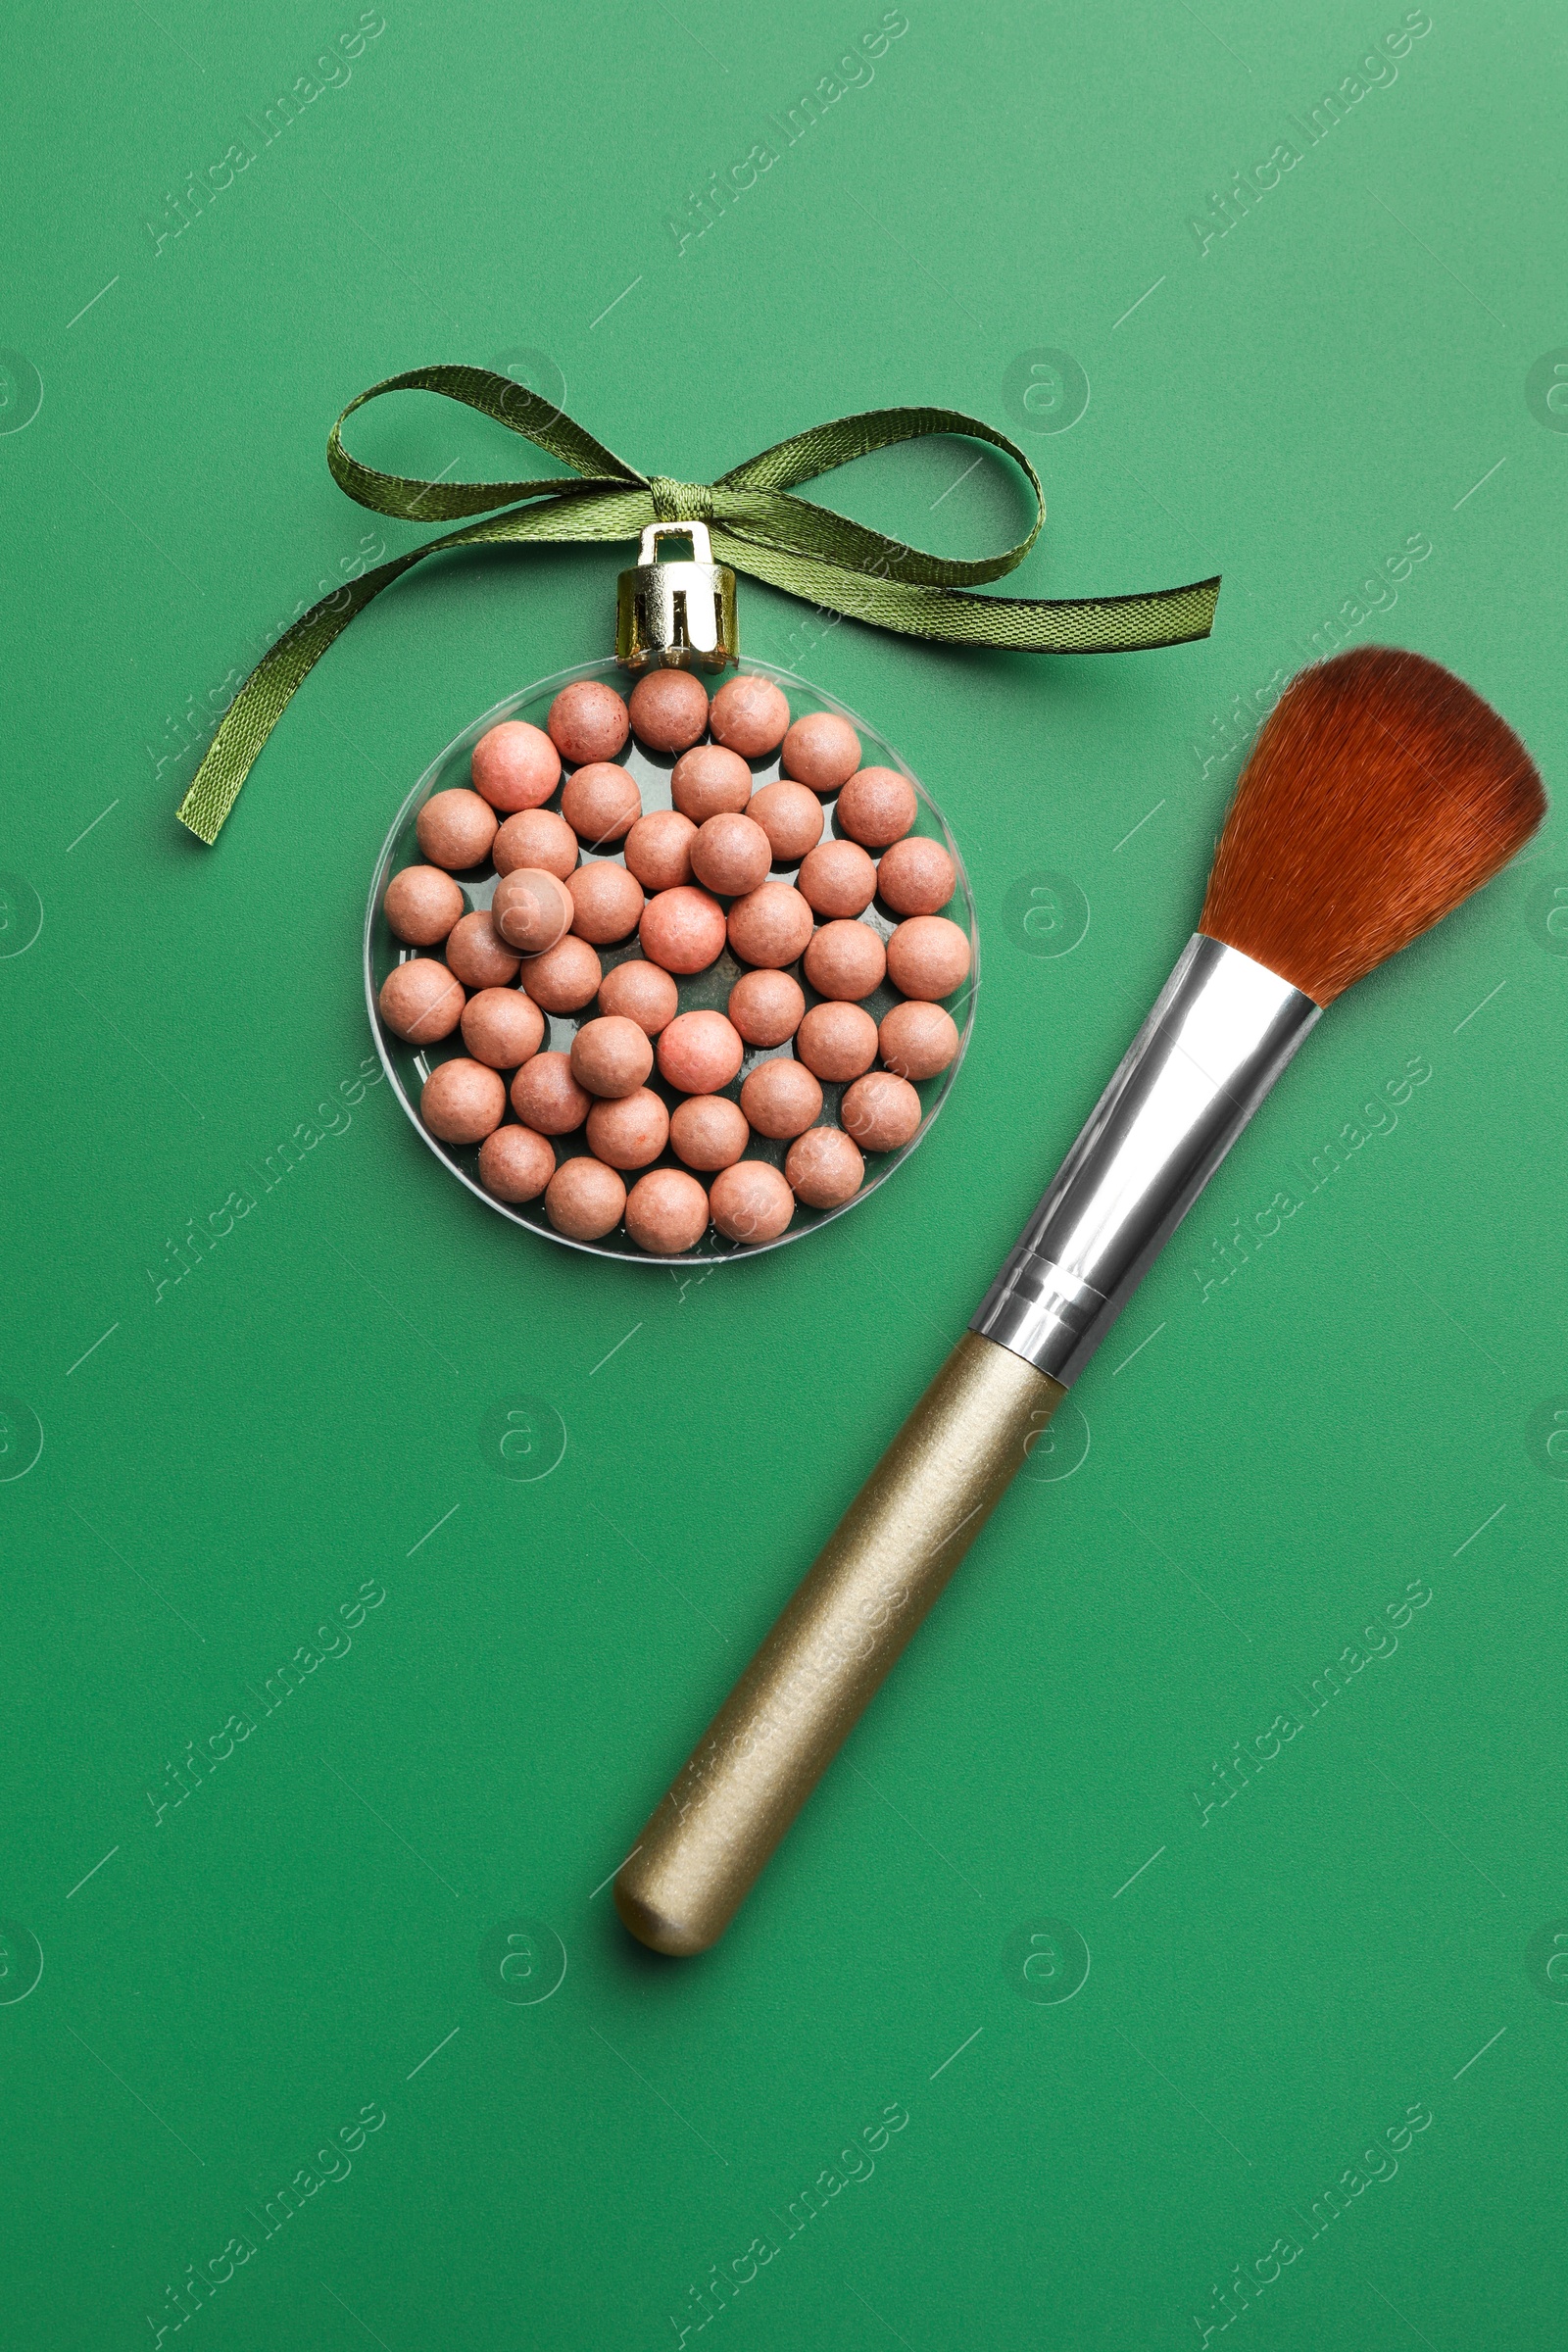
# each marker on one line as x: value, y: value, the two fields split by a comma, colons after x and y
x: 593, y: 870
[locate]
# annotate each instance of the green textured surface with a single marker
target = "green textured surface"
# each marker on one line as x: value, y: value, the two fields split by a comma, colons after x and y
x: 1365, y: 1402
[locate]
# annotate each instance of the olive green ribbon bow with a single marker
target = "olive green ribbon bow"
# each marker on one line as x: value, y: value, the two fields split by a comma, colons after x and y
x: 755, y: 527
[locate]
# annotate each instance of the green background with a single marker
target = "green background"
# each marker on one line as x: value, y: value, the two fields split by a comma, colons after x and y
x: 1365, y: 1402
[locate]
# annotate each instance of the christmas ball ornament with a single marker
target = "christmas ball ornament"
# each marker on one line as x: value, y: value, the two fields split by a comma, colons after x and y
x: 664, y: 901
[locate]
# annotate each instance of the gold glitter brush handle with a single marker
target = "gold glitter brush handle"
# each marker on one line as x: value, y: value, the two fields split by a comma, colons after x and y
x: 801, y: 1694
x: 1221, y: 1031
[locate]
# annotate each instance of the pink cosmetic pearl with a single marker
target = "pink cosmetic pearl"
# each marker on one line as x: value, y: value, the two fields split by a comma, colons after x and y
x: 700, y: 1053
x: 502, y: 1028
x: 659, y: 849
x: 531, y: 909
x: 767, y: 1007
x: 421, y: 905
x: 584, y: 1200
x: 708, y: 1131
x: 643, y: 992
x: 535, y: 837
x: 564, y: 977
x: 838, y: 878
x: 682, y: 929
x: 927, y: 956
x: 846, y: 959
x: 751, y: 1202
x: 455, y: 828
x: 516, y: 767
x: 822, y: 750
x: 710, y: 781
x: 514, y: 1163
x: 823, y: 1168
x: 880, y: 1111
x: 606, y: 902
x: 917, y: 1040
x: 461, y: 1101
x: 770, y: 925
x: 917, y: 876
x: 877, y: 806
x: 669, y: 709
x: 601, y: 803
x: 781, y: 1099
x: 667, y: 1213
x: 421, y: 1000
x: 749, y: 715
x: 546, y: 1096
x: 630, y: 1132
x: 791, y: 815
x: 731, y: 854
x: 588, y: 721
x: 837, y: 1042
x: 611, y: 1057
x: 480, y: 955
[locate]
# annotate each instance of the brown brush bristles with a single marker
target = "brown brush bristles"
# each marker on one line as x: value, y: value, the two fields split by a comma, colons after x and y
x: 1381, y: 792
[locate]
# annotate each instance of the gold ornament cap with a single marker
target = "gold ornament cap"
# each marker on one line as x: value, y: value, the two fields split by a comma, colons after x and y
x: 676, y: 615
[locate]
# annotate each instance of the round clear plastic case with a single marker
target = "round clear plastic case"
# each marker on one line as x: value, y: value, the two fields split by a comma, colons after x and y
x: 409, y: 1066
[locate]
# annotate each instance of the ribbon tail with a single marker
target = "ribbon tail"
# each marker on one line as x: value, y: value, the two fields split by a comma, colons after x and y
x: 581, y: 512
x: 266, y: 693
x: 1092, y: 625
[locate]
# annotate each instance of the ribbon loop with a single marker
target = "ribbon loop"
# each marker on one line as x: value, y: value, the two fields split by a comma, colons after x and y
x: 757, y: 527
x: 681, y: 502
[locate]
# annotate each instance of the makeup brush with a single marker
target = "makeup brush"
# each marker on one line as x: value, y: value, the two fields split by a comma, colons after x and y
x: 1381, y: 792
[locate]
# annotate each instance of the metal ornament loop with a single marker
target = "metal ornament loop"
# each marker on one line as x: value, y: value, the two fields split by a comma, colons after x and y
x: 696, y: 532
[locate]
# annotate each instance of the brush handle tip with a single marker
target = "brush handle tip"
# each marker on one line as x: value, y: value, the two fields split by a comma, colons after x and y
x: 804, y: 1691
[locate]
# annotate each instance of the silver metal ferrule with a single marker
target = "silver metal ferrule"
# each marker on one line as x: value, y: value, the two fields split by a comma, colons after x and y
x: 1222, y: 1030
